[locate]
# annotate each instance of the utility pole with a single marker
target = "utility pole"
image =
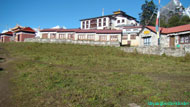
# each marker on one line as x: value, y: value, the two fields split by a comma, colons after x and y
x: 158, y: 24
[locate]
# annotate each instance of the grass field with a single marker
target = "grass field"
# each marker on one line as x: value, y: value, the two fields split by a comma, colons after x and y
x: 93, y: 76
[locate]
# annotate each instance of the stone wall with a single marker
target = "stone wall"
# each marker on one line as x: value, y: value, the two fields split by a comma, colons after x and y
x: 177, y: 52
x: 117, y: 44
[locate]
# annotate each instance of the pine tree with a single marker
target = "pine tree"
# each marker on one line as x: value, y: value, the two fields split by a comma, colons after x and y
x: 148, y: 15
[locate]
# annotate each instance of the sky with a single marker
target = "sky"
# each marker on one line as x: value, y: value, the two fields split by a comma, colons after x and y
x: 50, y: 13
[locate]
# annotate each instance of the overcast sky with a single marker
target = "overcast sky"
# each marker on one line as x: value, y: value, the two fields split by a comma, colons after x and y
x: 50, y: 13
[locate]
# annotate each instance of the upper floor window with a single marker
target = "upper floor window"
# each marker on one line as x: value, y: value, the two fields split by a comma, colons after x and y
x: 100, y: 23
x: 123, y: 20
x: 104, y: 19
x: 100, y: 20
x: 104, y: 24
x: 118, y: 21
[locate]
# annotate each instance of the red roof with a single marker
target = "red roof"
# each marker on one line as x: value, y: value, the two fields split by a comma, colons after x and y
x: 176, y: 29
x: 68, y: 30
x: 84, y: 31
x: 131, y: 27
x: 8, y: 33
x: 49, y: 30
x: 99, y: 31
x: 109, y: 31
x: 27, y: 29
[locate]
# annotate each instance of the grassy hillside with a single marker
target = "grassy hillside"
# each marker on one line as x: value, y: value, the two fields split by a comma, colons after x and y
x: 80, y: 75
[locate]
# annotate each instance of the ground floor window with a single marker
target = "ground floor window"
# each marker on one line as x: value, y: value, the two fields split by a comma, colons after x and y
x: 52, y: 35
x: 133, y: 36
x: 103, y: 38
x: 185, y: 39
x: 71, y: 36
x: 147, y: 41
x: 82, y: 37
x: 91, y: 37
x: 62, y: 36
x: 113, y: 38
x: 45, y: 36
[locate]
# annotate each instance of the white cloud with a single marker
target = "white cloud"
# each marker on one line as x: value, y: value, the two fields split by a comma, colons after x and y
x: 4, y: 31
x: 58, y: 27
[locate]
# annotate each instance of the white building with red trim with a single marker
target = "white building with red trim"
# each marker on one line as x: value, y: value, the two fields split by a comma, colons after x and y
x: 113, y: 21
x: 82, y: 34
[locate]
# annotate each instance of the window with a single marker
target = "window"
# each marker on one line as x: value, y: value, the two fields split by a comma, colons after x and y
x: 113, y: 38
x: 133, y: 36
x: 44, y: 35
x: 90, y: 37
x: 185, y: 39
x: 147, y: 41
x: 123, y: 20
x: 104, y: 19
x: 104, y: 24
x: 103, y: 38
x: 70, y: 36
x: 52, y: 35
x: 100, y: 22
x: 82, y: 37
x: 125, y: 37
x: 83, y: 24
x: 118, y: 21
x: 62, y: 36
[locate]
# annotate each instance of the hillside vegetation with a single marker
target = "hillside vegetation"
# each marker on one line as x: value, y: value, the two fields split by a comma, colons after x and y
x: 94, y: 76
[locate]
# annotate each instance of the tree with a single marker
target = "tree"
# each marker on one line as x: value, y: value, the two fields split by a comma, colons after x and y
x: 185, y: 20
x: 178, y: 20
x: 148, y: 15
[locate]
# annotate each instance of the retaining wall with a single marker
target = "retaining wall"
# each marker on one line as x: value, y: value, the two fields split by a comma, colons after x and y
x: 177, y: 52
x: 101, y: 43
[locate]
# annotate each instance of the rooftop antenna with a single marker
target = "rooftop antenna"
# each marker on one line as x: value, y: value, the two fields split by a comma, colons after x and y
x: 7, y: 27
x: 103, y: 12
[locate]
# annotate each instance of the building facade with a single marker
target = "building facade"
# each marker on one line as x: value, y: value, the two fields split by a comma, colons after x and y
x: 18, y: 34
x: 178, y: 36
x: 6, y: 36
x: 114, y: 21
x: 82, y: 35
x: 130, y: 35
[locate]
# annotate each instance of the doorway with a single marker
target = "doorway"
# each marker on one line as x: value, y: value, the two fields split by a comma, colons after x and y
x: 18, y: 38
x: 172, y: 41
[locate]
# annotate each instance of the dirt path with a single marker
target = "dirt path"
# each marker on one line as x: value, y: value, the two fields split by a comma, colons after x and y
x: 6, y: 72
